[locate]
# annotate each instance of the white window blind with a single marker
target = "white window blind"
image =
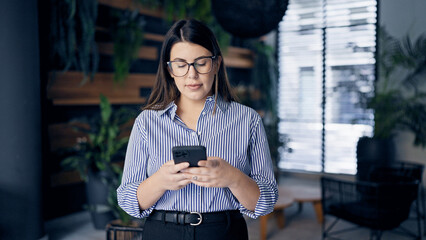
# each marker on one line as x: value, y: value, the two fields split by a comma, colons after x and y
x: 326, y: 61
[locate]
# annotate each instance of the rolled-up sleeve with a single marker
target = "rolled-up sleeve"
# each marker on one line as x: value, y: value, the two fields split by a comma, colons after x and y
x: 134, y: 173
x: 262, y: 172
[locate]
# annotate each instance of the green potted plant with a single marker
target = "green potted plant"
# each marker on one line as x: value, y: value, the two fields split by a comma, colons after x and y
x: 399, y: 102
x: 98, y: 158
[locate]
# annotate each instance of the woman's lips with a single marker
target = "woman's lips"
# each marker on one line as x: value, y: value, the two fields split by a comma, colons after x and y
x: 194, y: 86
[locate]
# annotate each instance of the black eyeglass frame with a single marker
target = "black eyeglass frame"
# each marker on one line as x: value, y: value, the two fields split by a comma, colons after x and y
x: 169, y: 65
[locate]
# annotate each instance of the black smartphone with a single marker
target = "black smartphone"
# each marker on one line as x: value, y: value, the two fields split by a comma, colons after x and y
x: 191, y: 154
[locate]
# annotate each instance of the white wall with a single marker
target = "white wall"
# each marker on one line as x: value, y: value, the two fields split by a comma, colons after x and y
x: 401, y: 17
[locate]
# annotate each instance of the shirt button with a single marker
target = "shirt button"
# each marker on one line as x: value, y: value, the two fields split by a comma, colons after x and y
x: 199, y: 133
x: 204, y: 113
x: 194, y: 134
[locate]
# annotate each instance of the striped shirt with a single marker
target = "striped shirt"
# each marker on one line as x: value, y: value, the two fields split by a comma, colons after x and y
x: 235, y: 133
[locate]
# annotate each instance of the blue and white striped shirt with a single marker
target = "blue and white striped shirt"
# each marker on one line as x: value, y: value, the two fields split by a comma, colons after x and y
x: 235, y: 133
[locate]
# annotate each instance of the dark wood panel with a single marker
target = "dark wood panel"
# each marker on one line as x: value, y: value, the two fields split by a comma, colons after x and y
x: 65, y: 178
x: 237, y: 57
x: 66, y: 89
x: 145, y: 52
x: 63, y: 135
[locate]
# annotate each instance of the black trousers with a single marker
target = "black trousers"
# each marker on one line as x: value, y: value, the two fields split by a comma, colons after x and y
x: 233, y: 229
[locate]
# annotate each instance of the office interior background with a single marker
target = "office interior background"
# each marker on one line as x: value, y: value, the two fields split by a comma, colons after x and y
x: 322, y: 51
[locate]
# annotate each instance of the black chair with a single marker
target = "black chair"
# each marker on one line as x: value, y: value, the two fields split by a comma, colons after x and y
x: 391, y: 172
x: 397, y: 171
x: 378, y: 206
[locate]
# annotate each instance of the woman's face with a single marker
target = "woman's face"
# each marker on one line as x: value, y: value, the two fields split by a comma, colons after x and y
x: 193, y: 86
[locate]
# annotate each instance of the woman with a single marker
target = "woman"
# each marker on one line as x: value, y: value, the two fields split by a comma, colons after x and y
x: 192, y: 104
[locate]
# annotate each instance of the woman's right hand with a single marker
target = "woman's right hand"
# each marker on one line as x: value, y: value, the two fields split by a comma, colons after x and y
x: 169, y: 176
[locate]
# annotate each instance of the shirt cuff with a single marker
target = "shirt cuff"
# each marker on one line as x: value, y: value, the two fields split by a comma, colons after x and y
x: 128, y: 201
x: 265, y: 204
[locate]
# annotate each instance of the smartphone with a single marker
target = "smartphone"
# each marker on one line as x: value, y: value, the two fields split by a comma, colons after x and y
x: 191, y: 154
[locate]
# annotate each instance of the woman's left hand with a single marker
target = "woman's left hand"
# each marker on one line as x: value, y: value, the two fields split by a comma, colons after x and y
x: 216, y: 172
x: 213, y: 172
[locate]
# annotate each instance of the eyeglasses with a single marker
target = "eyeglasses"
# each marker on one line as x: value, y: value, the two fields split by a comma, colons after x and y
x: 180, y: 68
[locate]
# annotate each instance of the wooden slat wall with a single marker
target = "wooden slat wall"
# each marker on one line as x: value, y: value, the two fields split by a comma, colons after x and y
x: 146, y: 35
x: 63, y: 135
x: 145, y: 52
x: 153, y: 37
x: 65, y: 88
x: 65, y: 178
x: 239, y: 58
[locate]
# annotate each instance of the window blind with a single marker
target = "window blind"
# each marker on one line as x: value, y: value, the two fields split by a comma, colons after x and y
x: 326, y: 63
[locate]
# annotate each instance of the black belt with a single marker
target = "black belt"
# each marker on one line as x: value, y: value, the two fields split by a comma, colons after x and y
x: 193, y: 218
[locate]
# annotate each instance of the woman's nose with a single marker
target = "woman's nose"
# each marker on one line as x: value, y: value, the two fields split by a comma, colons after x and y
x: 192, y: 73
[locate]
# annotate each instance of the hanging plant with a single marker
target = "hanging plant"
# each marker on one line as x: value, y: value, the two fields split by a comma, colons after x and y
x: 254, y: 19
x: 72, y: 35
x: 128, y: 37
x: 200, y: 10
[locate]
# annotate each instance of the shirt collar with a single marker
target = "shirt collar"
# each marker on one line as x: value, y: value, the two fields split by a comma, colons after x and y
x: 171, y: 105
x: 221, y: 104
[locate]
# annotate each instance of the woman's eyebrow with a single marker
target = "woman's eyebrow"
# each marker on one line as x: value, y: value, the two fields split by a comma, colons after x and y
x: 204, y: 56
x: 184, y: 60
x: 179, y: 59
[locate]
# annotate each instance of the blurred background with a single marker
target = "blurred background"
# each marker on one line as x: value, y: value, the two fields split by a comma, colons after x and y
x: 340, y: 86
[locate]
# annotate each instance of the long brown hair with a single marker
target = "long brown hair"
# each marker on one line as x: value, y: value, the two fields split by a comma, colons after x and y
x: 193, y: 31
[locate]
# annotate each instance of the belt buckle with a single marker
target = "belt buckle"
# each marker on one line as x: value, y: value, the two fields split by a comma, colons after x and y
x: 200, y: 219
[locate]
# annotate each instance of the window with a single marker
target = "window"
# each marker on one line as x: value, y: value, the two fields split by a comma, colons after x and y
x: 326, y: 62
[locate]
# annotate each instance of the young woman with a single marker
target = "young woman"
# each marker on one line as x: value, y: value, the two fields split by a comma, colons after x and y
x: 192, y: 104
